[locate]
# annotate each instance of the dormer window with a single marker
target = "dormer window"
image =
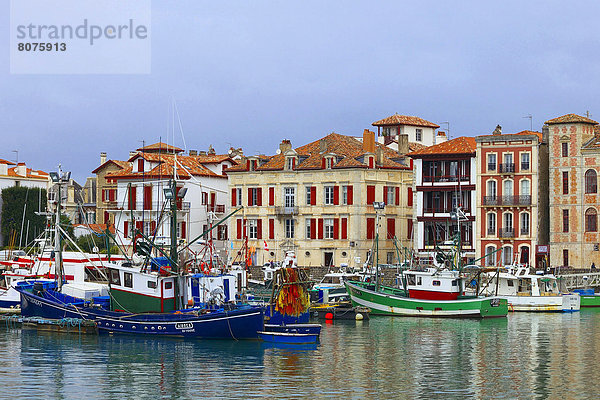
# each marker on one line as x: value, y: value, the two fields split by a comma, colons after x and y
x: 328, y: 162
x: 290, y: 163
x: 252, y: 164
x: 371, y: 161
x: 140, y: 165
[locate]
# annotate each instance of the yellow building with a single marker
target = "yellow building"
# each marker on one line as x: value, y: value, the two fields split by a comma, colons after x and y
x: 318, y: 201
x: 106, y: 191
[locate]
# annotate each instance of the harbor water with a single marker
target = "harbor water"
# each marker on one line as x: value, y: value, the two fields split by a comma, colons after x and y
x: 524, y: 356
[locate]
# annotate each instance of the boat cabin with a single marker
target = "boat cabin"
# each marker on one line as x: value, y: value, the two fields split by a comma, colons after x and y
x: 431, y: 284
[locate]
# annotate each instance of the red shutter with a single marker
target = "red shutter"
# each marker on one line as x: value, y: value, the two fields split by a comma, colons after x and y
x: 259, y: 197
x: 385, y: 194
x: 370, y: 162
x: 398, y: 195
x: 320, y: 228
x: 132, y: 199
x: 410, y: 197
x: 336, y: 228
x: 103, y: 196
x: 411, y: 163
x: 271, y: 228
x: 153, y: 227
x: 323, y: 163
x: 391, y: 228
x: 250, y: 203
x: 213, y: 200
x: 140, y: 165
x: 233, y: 197
x: 239, y: 228
x: 370, y: 194
x: 112, y: 195
x: 106, y: 217
x: 313, y: 228
x: 259, y: 228
x: 293, y: 163
x: 244, y: 229
x: 183, y: 226
x: 370, y: 228
x: 350, y: 195
x: 344, y: 228
x: 125, y: 228
x: 271, y: 196
x: 336, y: 195
x: 148, y: 197
x: 313, y: 195
x: 410, y: 228
x: 139, y: 225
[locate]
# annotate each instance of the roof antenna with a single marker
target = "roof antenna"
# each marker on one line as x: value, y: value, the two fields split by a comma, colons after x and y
x: 447, y: 129
x: 530, y: 121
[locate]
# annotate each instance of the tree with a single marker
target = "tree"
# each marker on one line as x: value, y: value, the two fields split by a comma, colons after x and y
x: 15, y: 200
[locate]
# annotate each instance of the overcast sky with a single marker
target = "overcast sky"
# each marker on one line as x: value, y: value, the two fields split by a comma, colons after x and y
x: 251, y: 73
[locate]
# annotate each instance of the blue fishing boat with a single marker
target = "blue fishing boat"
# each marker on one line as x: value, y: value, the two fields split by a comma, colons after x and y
x: 294, y: 328
x: 289, y: 338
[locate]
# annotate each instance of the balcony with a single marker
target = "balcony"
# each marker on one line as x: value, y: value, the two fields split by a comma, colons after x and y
x: 155, y: 206
x: 524, y: 232
x: 525, y: 166
x: 491, y: 167
x: 216, y: 208
x: 507, y: 200
x: 507, y: 233
x: 286, y: 210
x: 506, y: 168
x: 491, y: 232
x: 444, y: 210
x: 446, y: 178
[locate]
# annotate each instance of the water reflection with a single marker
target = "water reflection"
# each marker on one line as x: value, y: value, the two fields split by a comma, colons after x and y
x: 526, y: 356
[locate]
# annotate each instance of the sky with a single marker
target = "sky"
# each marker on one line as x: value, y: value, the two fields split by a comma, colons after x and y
x: 251, y: 73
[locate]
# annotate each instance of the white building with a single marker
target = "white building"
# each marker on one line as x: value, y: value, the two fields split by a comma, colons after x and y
x: 418, y: 130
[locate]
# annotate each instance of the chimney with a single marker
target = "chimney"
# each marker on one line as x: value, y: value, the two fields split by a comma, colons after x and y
x: 545, y: 133
x: 322, y: 146
x: 202, y: 153
x: 211, y: 150
x: 498, y: 130
x: 132, y: 153
x: 402, y: 144
x: 193, y: 152
x: 369, y: 141
x: 379, y: 155
x: 21, y: 169
x: 102, y: 158
x: 285, y: 146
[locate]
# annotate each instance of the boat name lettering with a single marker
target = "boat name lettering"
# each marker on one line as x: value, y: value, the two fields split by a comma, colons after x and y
x: 36, y: 302
x: 184, y: 325
x: 494, y: 302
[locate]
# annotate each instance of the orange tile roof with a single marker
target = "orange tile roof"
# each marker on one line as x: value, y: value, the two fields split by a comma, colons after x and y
x: 118, y: 163
x: 405, y: 120
x: 571, y: 118
x: 460, y: 145
x: 346, y: 149
x: 160, y: 147
x: 187, y: 166
x: 538, y: 134
x: 2, y: 161
x: 98, y: 228
x: 29, y: 173
x: 213, y: 158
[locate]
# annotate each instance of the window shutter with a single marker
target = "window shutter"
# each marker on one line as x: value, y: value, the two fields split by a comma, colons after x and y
x: 250, y: 203
x: 239, y: 228
x: 385, y: 194
x: 233, y: 195
x: 323, y: 163
x: 370, y: 162
x: 370, y: 228
x: 293, y: 163
x: 103, y: 196
x: 132, y: 199
x: 183, y: 229
x: 112, y: 195
x: 344, y: 228
x: 410, y: 197
x: 139, y: 225
x: 271, y: 196
x: 259, y: 197
x: 336, y: 195
x: 391, y: 228
x: 370, y: 194
x: 153, y: 227
x: 336, y: 228
x: 148, y: 197
x: 398, y: 195
x: 320, y: 228
x: 271, y: 228
x: 313, y: 228
x: 313, y: 195
x: 350, y: 195
x: 125, y: 228
x: 244, y: 228
x: 410, y: 228
x: 411, y: 163
x: 259, y: 228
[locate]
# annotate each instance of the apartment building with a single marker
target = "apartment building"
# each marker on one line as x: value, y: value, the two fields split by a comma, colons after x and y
x: 318, y: 200
x: 416, y: 131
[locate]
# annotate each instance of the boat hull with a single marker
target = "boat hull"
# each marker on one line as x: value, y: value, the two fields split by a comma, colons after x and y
x: 238, y: 323
x: 289, y: 338
x: 392, y: 302
x: 562, y: 303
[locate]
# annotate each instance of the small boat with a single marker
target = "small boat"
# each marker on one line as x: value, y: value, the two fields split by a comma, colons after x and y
x: 289, y: 338
x: 588, y: 298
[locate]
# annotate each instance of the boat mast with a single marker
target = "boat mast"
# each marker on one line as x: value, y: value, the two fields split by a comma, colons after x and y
x: 378, y: 206
x: 58, y: 178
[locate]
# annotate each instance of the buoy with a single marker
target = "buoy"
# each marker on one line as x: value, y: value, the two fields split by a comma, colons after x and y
x: 329, y: 315
x: 359, y: 317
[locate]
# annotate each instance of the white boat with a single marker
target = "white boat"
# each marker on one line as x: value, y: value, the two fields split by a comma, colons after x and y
x: 527, y: 291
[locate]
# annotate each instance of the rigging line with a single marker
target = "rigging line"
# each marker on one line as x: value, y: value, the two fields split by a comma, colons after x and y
x: 81, y: 251
x: 180, y: 126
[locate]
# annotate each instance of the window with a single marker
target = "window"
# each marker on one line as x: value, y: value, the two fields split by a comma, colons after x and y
x: 252, y: 229
x: 390, y: 191
x: 329, y: 162
x: 289, y: 228
x: 525, y: 224
x: 168, y: 285
x: 114, y: 277
x: 508, y: 158
x: 491, y: 162
x: 491, y: 188
x: 328, y: 195
x: 524, y: 187
x: 591, y: 182
x: 290, y: 163
x: 222, y: 232
x: 565, y: 149
x: 565, y: 182
x: 565, y: 257
x: 308, y: 227
x: 565, y: 221
x: 345, y: 194
x: 419, y: 135
x: 328, y: 228
x: 491, y: 224
x: 151, y: 285
x: 508, y: 222
x: 289, y: 194
x: 128, y: 279
x: 490, y: 256
x: 436, y: 283
x: 204, y: 198
x: 591, y: 220
x: 524, y: 161
x: 236, y: 196
x: 507, y: 256
x: 308, y: 195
